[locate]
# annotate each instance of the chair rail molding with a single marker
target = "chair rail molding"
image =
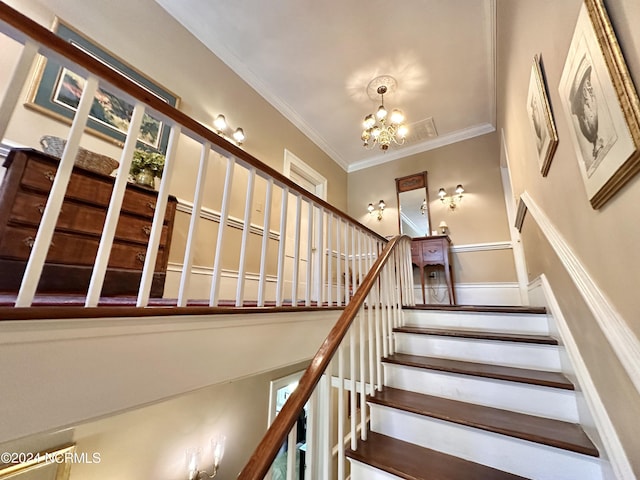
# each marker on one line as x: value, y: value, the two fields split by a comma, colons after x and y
x: 623, y: 340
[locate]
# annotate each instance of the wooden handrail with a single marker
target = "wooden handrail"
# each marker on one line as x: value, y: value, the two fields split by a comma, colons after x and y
x: 266, y: 451
x: 28, y: 28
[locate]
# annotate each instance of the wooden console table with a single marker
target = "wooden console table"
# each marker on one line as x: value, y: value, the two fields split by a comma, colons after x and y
x: 433, y: 250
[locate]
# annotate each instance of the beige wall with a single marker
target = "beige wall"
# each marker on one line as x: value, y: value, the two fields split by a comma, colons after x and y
x: 151, y: 442
x: 605, y: 241
x: 145, y: 36
x: 480, y: 218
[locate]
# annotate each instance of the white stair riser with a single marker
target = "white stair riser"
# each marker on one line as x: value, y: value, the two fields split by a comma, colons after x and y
x: 362, y: 471
x: 513, y: 455
x: 512, y: 354
x: 494, y: 322
x: 519, y: 397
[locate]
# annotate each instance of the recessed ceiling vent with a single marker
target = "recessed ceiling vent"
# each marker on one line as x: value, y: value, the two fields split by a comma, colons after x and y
x: 422, y: 130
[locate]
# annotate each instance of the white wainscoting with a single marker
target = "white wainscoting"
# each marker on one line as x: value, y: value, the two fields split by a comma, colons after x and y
x: 593, y: 415
x: 623, y: 340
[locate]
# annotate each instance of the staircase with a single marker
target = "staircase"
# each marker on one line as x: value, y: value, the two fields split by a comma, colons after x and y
x: 475, y: 393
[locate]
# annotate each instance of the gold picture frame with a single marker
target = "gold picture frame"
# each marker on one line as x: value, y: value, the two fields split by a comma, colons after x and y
x: 49, y: 464
x: 541, y: 118
x: 55, y: 91
x: 601, y: 105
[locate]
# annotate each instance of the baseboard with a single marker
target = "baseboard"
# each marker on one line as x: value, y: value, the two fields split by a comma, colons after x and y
x: 622, y: 339
x: 615, y: 464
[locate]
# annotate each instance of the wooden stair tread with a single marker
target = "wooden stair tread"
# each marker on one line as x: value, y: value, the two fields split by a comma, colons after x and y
x: 480, y: 335
x: 413, y: 462
x: 499, y: 372
x: 555, y: 433
x: 480, y: 308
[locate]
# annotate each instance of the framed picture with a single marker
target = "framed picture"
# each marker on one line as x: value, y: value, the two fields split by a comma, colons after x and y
x: 56, y: 92
x: 601, y: 106
x: 541, y: 118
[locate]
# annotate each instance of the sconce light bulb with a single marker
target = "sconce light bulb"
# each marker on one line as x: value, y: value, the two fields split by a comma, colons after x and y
x: 382, y: 205
x: 238, y: 136
x: 220, y: 123
x: 218, y: 444
x: 459, y: 189
x: 370, y: 208
x: 442, y: 193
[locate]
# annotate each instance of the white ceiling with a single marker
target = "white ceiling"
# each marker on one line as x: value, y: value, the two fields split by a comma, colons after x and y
x: 313, y: 61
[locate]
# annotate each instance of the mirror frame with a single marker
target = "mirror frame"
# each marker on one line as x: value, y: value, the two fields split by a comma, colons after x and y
x: 29, y: 462
x: 413, y: 182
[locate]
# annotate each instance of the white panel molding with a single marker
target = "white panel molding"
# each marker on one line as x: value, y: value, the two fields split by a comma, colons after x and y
x: 226, y: 273
x: 623, y: 340
x: 610, y: 441
x: 481, y: 247
x: 185, y: 206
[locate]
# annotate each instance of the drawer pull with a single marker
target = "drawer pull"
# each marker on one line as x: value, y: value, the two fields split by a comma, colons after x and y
x: 152, y: 205
x: 433, y: 251
x: 141, y: 256
x: 29, y: 241
x: 41, y: 206
x: 146, y: 230
x: 49, y: 175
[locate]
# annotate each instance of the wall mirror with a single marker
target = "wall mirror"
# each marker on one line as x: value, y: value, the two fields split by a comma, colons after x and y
x: 48, y: 465
x: 413, y: 205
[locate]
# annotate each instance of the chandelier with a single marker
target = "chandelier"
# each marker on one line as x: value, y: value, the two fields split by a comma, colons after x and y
x: 382, y: 128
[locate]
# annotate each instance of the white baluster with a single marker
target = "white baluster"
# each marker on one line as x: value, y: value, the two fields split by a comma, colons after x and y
x: 42, y: 242
x: 18, y: 80
x: 281, y: 246
x: 190, y: 250
x: 363, y: 375
x: 246, y: 227
x: 158, y: 219
x: 265, y: 242
x: 341, y: 415
x: 319, y: 282
x: 330, y: 219
x: 214, y: 296
x: 113, y: 211
x: 310, y: 263
x: 296, y: 252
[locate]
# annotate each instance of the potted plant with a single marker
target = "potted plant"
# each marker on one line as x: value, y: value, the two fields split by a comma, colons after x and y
x: 145, y: 166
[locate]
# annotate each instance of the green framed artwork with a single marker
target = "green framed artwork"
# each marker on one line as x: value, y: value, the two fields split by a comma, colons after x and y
x: 56, y: 92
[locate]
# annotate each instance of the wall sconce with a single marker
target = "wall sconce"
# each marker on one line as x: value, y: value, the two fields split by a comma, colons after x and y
x: 221, y: 126
x: 423, y: 206
x: 372, y: 209
x: 193, y: 459
x: 451, y: 201
x: 443, y: 227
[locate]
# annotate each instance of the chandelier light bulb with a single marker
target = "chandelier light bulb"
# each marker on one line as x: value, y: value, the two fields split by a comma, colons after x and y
x: 375, y: 132
x: 397, y: 117
x: 402, y: 131
x: 369, y: 121
x: 381, y: 113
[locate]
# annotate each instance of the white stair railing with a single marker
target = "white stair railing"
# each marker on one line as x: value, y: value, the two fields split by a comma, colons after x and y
x: 348, y: 362
x: 320, y: 265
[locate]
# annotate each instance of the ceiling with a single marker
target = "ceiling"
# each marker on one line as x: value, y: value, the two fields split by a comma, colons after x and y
x: 313, y: 62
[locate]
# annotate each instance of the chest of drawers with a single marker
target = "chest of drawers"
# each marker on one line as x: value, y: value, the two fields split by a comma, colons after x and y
x: 433, y: 250
x: 23, y: 196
